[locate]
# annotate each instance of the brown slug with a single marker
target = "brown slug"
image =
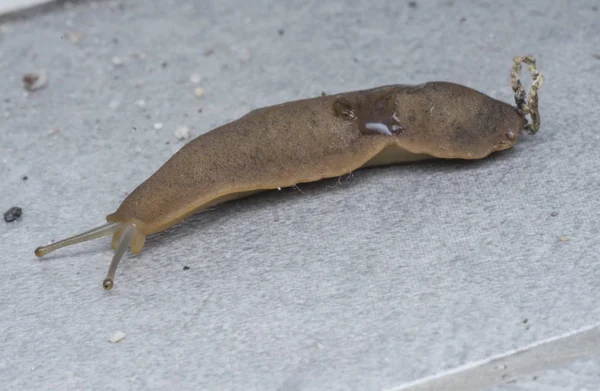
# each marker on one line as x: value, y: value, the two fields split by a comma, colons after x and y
x: 311, y: 139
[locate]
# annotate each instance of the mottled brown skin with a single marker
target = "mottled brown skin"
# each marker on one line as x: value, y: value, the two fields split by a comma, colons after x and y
x: 322, y: 137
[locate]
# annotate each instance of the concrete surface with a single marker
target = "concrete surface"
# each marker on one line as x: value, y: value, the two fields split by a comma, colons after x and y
x: 395, y: 278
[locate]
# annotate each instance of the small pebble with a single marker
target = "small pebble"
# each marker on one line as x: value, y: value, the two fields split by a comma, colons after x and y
x: 554, y: 214
x: 141, y: 103
x: 116, y: 61
x: 75, y: 36
x: 35, y: 81
x: 24, y: 177
x: 117, y: 336
x: 244, y: 55
x: 564, y: 238
x: 199, y: 92
x: 13, y: 214
x: 53, y: 131
x: 195, y: 78
x: 186, y: 268
x: 183, y: 133
x: 158, y: 126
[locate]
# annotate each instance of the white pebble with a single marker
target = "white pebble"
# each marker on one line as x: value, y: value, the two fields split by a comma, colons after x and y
x: 199, y: 92
x: 183, y: 133
x: 141, y: 103
x: 195, y: 78
x: 243, y: 54
x: 158, y: 126
x: 117, y: 61
x: 117, y: 336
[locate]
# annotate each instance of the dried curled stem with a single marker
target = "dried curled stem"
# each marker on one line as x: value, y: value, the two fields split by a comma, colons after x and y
x: 531, y: 106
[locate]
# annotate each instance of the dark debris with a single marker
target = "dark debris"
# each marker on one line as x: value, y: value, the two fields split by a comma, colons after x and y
x: 13, y: 214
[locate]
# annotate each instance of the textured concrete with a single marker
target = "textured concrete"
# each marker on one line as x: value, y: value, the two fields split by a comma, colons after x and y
x: 375, y: 282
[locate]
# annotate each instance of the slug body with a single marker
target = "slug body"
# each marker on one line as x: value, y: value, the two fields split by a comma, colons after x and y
x: 323, y: 137
x: 305, y: 141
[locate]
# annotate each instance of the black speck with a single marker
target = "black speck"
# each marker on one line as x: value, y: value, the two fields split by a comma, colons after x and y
x: 281, y: 32
x: 535, y: 378
x: 412, y: 4
x: 115, y: 40
x: 134, y: 129
x: 462, y: 20
x: 167, y: 142
x: 525, y: 320
x: 164, y: 64
x: 13, y: 214
x: 208, y: 52
x: 200, y: 111
x: 186, y: 268
x: 24, y: 177
x: 554, y: 214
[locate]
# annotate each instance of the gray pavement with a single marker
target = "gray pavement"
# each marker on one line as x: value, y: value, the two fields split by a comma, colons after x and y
x: 397, y: 278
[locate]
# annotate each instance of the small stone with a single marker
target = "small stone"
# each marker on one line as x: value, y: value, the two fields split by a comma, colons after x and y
x: 563, y: 238
x: 158, y: 126
x: 141, y: 103
x: 186, y: 268
x: 24, y: 177
x: 183, y: 133
x: 33, y: 81
x: 75, y: 36
x: 554, y: 214
x: 244, y: 55
x: 13, y: 214
x: 116, y: 337
x: 54, y: 131
x: 199, y: 92
x: 195, y: 78
x: 117, y: 62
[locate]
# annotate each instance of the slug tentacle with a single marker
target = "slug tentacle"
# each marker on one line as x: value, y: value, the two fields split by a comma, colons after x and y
x: 95, y: 233
x: 126, y: 239
x: 531, y: 106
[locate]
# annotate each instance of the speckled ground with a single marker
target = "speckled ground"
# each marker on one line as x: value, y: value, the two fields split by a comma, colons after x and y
x: 382, y: 281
